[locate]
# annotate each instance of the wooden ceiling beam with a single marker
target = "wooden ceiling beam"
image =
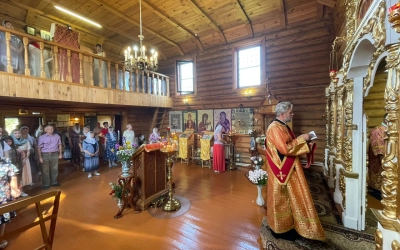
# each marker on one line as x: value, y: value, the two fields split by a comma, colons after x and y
x: 329, y: 3
x: 320, y: 11
x: 205, y: 17
x: 29, y: 16
x: 242, y: 14
x: 282, y: 14
x: 173, y: 23
x: 123, y: 16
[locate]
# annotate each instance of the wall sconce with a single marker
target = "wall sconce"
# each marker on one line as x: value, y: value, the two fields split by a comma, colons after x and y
x: 186, y: 101
x: 248, y: 94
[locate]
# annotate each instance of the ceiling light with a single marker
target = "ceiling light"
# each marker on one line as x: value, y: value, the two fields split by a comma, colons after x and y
x: 135, y: 58
x: 77, y: 16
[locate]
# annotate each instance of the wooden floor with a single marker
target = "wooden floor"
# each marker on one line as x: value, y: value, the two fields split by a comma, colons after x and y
x: 223, y: 214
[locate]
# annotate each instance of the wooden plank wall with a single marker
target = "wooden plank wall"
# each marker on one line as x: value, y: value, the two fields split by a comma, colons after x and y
x: 297, y: 62
x: 140, y: 119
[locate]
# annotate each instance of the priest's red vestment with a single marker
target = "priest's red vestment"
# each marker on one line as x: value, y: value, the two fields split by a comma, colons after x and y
x: 289, y: 202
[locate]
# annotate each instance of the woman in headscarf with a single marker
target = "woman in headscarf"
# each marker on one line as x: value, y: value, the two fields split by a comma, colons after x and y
x: 82, y: 137
x: 129, y: 135
x: 24, y: 147
x: 91, y: 149
x: 155, y: 136
x: 32, y: 141
x: 16, y: 48
x: 74, y: 136
x: 111, y: 141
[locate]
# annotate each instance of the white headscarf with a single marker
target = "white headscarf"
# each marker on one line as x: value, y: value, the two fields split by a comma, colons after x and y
x: 89, y: 139
x: 111, y: 133
x: 78, y: 131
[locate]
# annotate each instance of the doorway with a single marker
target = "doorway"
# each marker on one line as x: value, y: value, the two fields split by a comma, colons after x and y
x: 374, y: 104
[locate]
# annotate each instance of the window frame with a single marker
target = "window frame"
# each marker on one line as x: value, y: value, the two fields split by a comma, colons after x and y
x: 235, y: 64
x: 177, y: 78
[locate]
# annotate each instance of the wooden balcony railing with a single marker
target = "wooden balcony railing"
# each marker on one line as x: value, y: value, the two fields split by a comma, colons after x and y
x: 32, y: 56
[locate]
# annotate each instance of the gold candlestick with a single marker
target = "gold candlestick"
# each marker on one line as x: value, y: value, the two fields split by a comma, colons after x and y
x: 170, y: 203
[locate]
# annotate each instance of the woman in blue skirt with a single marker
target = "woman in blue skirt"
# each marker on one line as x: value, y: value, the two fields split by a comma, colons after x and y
x: 91, y: 149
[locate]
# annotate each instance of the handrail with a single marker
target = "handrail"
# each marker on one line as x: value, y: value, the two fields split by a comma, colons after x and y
x: 19, y: 204
x: 59, y: 62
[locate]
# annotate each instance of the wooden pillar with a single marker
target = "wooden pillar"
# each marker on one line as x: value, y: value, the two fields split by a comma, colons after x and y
x: 8, y: 52
x: 69, y: 73
x: 116, y: 76
x: 137, y: 80
x: 130, y: 81
x: 26, y: 56
x: 143, y: 90
x: 91, y: 83
x: 109, y: 74
x: 42, y: 71
x: 167, y: 83
x: 56, y: 69
x: 80, y: 68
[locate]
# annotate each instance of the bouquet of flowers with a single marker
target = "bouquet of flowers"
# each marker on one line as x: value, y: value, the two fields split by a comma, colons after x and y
x: 116, y: 190
x: 261, y: 140
x: 257, y: 160
x: 258, y: 177
x: 125, y: 152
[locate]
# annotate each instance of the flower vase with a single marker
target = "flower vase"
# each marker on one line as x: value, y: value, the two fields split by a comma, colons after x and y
x: 125, y: 169
x: 257, y: 167
x: 260, y: 200
x: 252, y: 143
x: 120, y: 203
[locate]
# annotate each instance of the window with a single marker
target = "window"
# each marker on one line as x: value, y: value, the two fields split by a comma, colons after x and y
x: 11, y: 123
x: 249, y: 65
x: 185, y: 77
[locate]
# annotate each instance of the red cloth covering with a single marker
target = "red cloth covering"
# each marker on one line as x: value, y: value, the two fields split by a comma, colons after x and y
x: 218, y: 158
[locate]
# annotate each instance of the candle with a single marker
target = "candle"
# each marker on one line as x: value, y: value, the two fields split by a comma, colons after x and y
x: 126, y: 55
x: 143, y: 51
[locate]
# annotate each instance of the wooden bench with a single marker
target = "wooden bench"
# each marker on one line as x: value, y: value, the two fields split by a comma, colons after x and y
x: 16, y: 205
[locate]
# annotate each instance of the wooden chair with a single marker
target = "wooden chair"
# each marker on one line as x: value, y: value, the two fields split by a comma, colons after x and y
x: 16, y: 205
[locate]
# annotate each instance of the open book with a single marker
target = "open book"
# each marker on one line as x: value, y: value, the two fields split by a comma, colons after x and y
x: 313, y: 135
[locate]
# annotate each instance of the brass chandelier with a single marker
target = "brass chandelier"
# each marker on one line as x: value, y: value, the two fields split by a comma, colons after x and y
x: 136, y: 58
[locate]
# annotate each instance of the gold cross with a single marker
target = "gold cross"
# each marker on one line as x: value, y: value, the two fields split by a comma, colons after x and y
x: 280, y: 175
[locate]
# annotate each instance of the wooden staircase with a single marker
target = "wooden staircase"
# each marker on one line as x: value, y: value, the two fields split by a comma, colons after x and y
x: 158, y: 119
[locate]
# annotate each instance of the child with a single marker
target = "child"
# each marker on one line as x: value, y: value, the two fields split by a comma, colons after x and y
x: 91, y: 149
x: 16, y: 159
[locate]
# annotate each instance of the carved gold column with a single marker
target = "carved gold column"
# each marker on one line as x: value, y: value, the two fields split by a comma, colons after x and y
x: 348, y: 125
x: 378, y: 239
x: 327, y: 118
x: 339, y: 123
x: 390, y: 181
x: 350, y: 17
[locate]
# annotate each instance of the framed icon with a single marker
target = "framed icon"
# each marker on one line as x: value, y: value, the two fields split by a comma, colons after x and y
x: 30, y: 30
x: 45, y: 35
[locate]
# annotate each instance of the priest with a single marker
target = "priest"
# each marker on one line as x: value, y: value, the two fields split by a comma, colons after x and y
x: 290, y: 208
